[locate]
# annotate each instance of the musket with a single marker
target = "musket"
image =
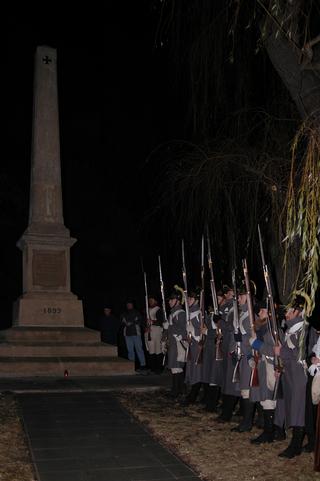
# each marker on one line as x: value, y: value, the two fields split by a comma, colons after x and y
x: 273, y: 316
x: 202, y: 307
x: 254, y: 381
x: 236, y: 323
x: 212, y: 282
x: 274, y: 323
x: 146, y: 297
x: 164, y: 312
x: 185, y: 284
x: 162, y: 293
x: 185, y: 296
x: 219, y: 356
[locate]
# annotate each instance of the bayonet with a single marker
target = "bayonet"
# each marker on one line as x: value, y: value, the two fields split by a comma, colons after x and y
x: 185, y: 284
x: 202, y: 306
x: 164, y: 311
x: 271, y: 308
x: 236, y: 323
x: 254, y: 381
x: 219, y: 356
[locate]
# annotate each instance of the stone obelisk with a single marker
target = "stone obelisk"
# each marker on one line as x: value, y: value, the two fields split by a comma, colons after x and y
x: 47, y: 299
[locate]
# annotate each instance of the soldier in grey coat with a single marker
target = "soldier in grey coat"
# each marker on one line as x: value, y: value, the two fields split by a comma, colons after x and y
x: 212, y: 369
x: 230, y: 391
x: 294, y: 378
x: 264, y: 343
x: 245, y: 368
x: 177, y: 344
x: 194, y: 330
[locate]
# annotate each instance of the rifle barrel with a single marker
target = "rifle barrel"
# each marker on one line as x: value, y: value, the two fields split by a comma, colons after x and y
x: 162, y: 291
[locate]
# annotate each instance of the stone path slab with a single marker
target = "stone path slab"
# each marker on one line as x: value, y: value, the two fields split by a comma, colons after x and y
x: 84, y: 384
x: 89, y: 436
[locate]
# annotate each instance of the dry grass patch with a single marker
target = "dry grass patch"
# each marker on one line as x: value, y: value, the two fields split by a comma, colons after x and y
x: 15, y: 461
x: 214, y: 452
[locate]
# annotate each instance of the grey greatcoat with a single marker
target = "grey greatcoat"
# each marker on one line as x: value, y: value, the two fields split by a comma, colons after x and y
x: 176, y: 333
x: 266, y: 372
x: 212, y: 370
x: 229, y: 360
x: 294, y: 377
x: 194, y: 369
x: 226, y: 324
x: 246, y: 349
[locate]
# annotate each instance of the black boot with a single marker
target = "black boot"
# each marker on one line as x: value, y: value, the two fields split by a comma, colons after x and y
x: 204, y: 398
x: 247, y: 421
x: 309, y: 447
x: 158, y: 363
x: 295, y: 446
x: 260, y: 419
x: 193, y: 394
x: 174, y: 392
x: 180, y: 383
x: 239, y: 408
x: 212, y: 399
x: 267, y: 435
x: 279, y: 434
x: 228, y: 403
x: 152, y: 362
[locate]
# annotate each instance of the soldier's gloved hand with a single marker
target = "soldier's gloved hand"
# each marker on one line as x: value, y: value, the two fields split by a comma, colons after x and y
x: 255, y: 343
x: 252, y: 339
x: 164, y: 336
x: 277, y: 349
x: 178, y: 337
x: 252, y: 362
x: 238, y: 336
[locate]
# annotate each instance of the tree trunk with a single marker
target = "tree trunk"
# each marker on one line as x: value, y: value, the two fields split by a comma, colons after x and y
x: 300, y: 73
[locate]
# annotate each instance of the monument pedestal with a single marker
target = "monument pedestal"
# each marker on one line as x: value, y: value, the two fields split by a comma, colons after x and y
x: 47, y: 311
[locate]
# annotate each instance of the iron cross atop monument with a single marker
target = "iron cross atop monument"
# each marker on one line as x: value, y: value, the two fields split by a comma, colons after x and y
x: 47, y: 299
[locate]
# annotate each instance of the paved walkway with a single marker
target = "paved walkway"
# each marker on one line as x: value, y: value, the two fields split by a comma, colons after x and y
x: 82, y: 384
x: 90, y: 437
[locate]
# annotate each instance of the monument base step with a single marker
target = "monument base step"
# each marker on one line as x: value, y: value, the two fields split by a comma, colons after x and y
x: 51, y: 349
x: 12, y: 367
x: 49, y: 334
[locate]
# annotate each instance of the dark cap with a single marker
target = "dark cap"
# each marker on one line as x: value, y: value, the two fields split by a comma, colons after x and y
x: 153, y: 296
x: 298, y: 303
x: 194, y: 293
x: 175, y: 294
x: 226, y: 288
x: 260, y: 305
x: 130, y: 300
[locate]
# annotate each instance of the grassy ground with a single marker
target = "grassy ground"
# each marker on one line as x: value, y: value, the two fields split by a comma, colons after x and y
x: 214, y: 452
x: 15, y: 462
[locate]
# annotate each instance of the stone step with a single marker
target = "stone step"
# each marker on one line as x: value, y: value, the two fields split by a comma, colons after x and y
x: 61, y: 334
x: 11, y: 367
x: 52, y: 349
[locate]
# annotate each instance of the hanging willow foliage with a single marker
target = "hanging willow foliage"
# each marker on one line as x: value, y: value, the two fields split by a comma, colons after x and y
x: 302, y: 209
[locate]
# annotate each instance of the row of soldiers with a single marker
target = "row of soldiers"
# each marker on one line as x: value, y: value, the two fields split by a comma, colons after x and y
x: 220, y: 354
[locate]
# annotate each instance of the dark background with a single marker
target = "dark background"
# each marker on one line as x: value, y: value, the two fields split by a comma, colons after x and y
x: 116, y: 104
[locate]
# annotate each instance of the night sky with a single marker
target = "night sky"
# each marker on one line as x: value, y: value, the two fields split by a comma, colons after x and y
x: 116, y: 105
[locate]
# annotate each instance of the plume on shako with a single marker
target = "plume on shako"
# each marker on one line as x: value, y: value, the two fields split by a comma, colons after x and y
x: 177, y: 293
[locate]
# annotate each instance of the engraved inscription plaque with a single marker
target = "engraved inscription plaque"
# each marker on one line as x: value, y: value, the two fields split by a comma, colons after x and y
x: 49, y: 268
